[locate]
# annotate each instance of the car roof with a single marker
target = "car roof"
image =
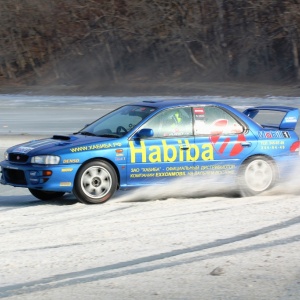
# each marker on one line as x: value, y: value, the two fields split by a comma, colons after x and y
x: 179, y: 102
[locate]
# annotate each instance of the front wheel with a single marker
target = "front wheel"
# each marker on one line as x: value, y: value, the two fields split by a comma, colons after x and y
x: 257, y: 175
x: 95, y: 182
x: 46, y: 195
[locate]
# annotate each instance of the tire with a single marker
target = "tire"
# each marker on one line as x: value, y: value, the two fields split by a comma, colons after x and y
x: 95, y: 182
x: 46, y: 195
x: 257, y: 174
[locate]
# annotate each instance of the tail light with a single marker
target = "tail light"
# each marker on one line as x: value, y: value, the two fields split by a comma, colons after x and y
x: 295, y: 147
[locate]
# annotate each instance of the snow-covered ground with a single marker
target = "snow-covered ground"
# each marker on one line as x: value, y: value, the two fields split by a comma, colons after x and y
x: 159, y: 243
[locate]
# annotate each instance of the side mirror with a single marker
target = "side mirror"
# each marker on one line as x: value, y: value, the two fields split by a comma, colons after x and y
x: 144, y: 133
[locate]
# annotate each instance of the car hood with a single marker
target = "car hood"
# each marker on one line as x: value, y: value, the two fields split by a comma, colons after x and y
x: 57, y: 143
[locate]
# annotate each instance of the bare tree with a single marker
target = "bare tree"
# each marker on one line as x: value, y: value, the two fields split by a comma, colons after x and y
x: 108, y: 41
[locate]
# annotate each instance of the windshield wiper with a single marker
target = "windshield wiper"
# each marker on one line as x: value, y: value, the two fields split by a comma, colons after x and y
x: 87, y: 133
x: 100, y: 135
x: 109, y: 135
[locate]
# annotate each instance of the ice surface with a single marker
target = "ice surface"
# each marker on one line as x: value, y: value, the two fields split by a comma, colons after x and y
x: 157, y: 243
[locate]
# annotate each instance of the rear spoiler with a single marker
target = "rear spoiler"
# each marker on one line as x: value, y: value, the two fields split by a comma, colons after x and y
x: 288, y: 122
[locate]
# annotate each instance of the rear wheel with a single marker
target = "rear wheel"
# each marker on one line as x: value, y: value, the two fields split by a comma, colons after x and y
x: 257, y: 175
x: 46, y: 195
x: 95, y: 182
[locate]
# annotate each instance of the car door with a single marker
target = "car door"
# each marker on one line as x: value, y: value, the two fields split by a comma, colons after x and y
x: 223, y: 141
x: 168, y: 154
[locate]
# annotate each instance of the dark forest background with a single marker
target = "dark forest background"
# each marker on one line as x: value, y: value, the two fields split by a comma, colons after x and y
x: 112, y: 42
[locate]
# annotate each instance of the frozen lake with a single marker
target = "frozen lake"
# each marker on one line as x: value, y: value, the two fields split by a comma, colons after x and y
x: 142, y: 244
x: 53, y: 114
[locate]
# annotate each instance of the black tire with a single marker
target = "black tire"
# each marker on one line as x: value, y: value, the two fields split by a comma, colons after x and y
x: 257, y: 174
x: 46, y: 195
x: 95, y: 182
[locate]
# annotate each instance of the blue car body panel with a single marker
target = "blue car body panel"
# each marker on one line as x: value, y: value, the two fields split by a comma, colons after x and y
x: 142, y: 161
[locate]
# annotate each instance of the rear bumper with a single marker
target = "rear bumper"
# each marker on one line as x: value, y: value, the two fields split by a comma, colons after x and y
x: 287, y: 166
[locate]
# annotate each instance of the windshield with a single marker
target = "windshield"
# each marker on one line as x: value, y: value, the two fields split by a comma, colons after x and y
x: 118, y: 122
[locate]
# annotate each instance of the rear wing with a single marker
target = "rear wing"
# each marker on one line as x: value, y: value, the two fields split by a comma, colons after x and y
x: 280, y: 117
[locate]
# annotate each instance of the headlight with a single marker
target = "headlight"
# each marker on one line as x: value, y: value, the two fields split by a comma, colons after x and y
x: 45, y: 160
x: 5, y: 155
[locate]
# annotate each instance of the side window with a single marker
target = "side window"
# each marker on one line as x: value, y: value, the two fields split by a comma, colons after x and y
x: 211, y: 120
x: 171, y: 122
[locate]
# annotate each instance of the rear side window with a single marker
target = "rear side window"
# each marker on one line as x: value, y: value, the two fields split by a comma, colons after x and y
x: 212, y: 120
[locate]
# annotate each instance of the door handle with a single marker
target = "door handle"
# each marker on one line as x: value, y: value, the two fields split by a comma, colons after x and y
x: 246, y: 144
x: 184, y: 147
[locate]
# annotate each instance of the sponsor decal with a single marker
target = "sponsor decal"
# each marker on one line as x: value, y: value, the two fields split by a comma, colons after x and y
x: 290, y: 119
x: 221, y: 144
x: 272, y: 145
x: 71, y: 161
x: 268, y: 135
x: 67, y: 170
x: 120, y: 158
x: 65, y: 184
x: 274, y: 134
x: 40, y: 143
x: 95, y: 147
x: 34, y: 145
x: 199, y: 113
x: 179, y: 171
x: 170, y: 153
x: 23, y: 149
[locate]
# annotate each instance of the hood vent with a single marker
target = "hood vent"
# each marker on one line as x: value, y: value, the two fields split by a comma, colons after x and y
x: 61, y: 137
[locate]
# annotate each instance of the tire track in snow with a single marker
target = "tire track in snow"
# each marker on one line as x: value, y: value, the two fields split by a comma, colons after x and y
x: 135, y: 266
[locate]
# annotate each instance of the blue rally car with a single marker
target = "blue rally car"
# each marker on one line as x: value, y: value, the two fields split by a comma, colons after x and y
x: 152, y: 142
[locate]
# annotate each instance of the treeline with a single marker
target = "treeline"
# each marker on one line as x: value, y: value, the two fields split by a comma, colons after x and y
x: 76, y: 41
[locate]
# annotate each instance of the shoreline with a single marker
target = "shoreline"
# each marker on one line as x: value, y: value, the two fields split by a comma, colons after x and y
x: 166, y: 88
x: 8, y: 140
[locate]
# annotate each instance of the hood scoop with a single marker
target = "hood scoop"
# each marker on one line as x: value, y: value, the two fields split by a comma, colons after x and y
x: 61, y: 137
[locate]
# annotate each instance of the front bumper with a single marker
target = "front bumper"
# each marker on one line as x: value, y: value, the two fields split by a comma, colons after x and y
x: 45, y: 177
